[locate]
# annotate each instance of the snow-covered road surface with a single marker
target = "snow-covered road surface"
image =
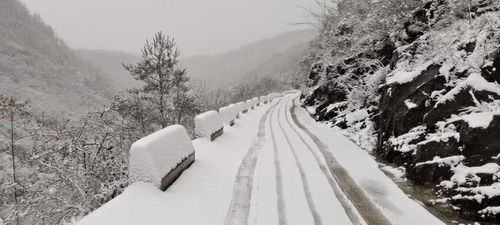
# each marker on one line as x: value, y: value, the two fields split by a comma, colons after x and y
x: 275, y: 166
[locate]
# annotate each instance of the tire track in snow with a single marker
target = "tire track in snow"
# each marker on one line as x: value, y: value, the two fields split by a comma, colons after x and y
x: 282, y: 219
x: 364, y: 205
x: 305, y: 180
x: 239, y: 208
x: 348, y: 207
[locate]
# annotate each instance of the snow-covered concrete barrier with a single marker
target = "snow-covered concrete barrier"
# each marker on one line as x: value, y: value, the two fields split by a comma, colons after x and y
x: 240, y: 107
x: 248, y: 106
x: 263, y: 99
x: 208, y: 124
x: 161, y: 157
x: 228, y: 114
x: 255, y: 102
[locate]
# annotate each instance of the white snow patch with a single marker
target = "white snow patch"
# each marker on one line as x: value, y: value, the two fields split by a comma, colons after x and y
x: 462, y: 172
x: 409, y: 104
x: 490, y: 210
x: 451, y: 161
x: 356, y: 116
x: 402, y: 142
x: 336, y: 106
x: 474, y: 81
x: 154, y: 156
x: 401, y: 76
x: 475, y: 120
x: 398, y: 172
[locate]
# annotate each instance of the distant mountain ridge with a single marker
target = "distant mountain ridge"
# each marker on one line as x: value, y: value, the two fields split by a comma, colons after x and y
x: 36, y: 65
x: 265, y: 57
x: 276, y: 57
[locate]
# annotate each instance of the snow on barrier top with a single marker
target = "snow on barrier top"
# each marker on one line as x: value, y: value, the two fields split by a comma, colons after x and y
x: 263, y: 99
x: 227, y: 113
x: 240, y: 106
x: 233, y: 110
x: 207, y: 123
x: 154, y: 156
x: 248, y: 104
x: 255, y: 101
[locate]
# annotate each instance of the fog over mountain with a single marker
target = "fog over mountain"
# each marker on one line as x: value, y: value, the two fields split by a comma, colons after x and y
x: 276, y: 57
x: 110, y: 65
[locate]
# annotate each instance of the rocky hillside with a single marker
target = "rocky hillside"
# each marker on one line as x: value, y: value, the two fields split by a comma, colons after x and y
x: 418, y: 85
x: 36, y: 65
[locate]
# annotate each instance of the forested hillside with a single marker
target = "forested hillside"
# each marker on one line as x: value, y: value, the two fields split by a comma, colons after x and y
x: 275, y: 57
x: 36, y: 65
x: 417, y: 84
x: 110, y: 66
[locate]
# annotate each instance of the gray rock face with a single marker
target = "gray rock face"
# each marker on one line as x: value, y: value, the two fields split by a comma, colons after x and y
x: 425, y: 113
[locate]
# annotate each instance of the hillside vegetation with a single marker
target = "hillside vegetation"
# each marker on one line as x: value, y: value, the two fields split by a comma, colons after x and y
x: 274, y: 57
x: 36, y: 65
x: 417, y: 84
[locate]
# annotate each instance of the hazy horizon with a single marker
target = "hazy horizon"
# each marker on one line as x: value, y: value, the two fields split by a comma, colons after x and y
x: 199, y: 28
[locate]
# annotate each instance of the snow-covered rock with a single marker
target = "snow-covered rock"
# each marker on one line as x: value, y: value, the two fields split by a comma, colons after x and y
x: 156, y: 155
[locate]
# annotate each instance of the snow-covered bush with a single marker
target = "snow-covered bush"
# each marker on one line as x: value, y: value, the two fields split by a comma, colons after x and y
x: 154, y: 156
x: 207, y: 123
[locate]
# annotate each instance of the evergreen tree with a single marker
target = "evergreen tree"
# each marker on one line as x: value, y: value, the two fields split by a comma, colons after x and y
x: 158, y: 70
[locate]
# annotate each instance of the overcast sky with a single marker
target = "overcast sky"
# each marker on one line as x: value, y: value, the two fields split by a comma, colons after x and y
x: 199, y: 26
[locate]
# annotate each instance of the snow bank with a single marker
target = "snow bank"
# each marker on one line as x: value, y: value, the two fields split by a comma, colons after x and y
x: 207, y: 124
x: 154, y: 156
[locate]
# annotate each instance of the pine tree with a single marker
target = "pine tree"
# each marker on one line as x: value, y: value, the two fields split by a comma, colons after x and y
x: 157, y: 69
x: 184, y: 102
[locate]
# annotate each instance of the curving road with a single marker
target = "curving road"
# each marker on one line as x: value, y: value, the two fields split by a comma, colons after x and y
x: 290, y: 177
x: 275, y: 166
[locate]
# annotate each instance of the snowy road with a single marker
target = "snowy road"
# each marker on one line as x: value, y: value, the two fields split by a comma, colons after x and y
x: 275, y: 166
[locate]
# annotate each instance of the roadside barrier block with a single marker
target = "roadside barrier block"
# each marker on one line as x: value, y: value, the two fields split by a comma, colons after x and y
x: 161, y: 157
x: 208, y: 124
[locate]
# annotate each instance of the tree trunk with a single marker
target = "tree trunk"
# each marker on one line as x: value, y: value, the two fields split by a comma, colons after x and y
x: 13, y: 163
